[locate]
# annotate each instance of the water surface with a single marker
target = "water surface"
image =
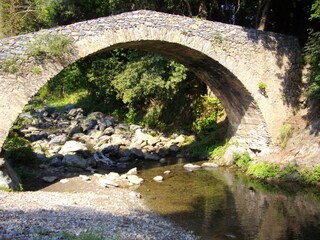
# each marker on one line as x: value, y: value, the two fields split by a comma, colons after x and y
x: 223, y: 204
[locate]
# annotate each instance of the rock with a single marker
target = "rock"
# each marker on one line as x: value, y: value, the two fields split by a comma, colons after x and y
x: 41, y: 157
x: 119, y: 139
x: 68, y: 107
x: 58, y: 140
x: 174, y: 148
x: 124, y: 153
x: 134, y: 127
x: 85, y: 178
x: 37, y: 136
x: 137, y: 152
x: 124, y: 159
x: 132, y: 171
x: 75, y: 161
x: 75, y: 111
x: 113, y: 175
x: 74, y: 130
x: 151, y: 156
x: 72, y: 146
x: 158, y: 178
x: 135, y: 195
x: 209, y: 165
x: 105, y: 182
x: 228, y: 157
x: 8, y: 177
x: 163, y: 160
x: 167, y: 172
x: 109, y: 131
x: 151, y: 140
x: 89, y: 124
x: 107, y: 149
x: 134, y: 179
x: 55, y: 162
x: 64, y: 180
x: 50, y: 179
x: 191, y: 167
x: 178, y: 140
x: 163, y: 152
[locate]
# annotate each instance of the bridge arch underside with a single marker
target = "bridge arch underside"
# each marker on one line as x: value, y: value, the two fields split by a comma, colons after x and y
x: 246, y: 123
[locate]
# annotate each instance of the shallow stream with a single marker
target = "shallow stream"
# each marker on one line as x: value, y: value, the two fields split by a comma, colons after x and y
x: 223, y: 204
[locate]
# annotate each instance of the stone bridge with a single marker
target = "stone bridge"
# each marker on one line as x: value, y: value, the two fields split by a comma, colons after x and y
x: 231, y: 60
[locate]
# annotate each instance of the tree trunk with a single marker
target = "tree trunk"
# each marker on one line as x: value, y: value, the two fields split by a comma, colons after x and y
x: 262, y: 14
x: 202, y: 9
x: 188, y: 8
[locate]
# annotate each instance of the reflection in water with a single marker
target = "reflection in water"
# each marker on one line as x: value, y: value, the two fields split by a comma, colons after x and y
x: 218, y: 204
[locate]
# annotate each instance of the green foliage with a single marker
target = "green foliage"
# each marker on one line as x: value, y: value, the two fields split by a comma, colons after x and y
x: 312, y: 55
x: 11, y: 65
x: 315, y: 10
x: 18, y: 149
x: 242, y: 160
x: 286, y: 132
x: 263, y: 170
x: 49, y: 46
x: 36, y: 70
x: 208, y: 110
x: 311, y: 175
x: 262, y: 87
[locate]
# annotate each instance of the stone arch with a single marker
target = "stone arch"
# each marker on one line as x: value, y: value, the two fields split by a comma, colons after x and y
x: 231, y: 60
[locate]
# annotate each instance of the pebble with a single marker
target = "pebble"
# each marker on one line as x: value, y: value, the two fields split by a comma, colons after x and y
x: 158, y: 178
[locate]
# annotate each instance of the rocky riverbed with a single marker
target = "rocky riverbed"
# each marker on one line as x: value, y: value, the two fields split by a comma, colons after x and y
x: 69, y: 139
x: 114, y: 214
x: 87, y: 173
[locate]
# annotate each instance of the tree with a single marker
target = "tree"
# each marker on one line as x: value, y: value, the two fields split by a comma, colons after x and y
x: 21, y: 16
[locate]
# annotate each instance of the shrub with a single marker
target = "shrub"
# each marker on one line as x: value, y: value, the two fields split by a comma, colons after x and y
x: 263, y: 170
x: 262, y: 87
x: 285, y: 134
x: 311, y: 175
x: 49, y: 46
x: 242, y: 160
x: 18, y: 149
x: 11, y: 65
x: 208, y: 110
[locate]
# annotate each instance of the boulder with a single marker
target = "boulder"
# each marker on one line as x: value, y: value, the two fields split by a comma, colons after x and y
x: 72, y: 146
x: 58, y: 140
x: 209, y: 165
x: 228, y: 157
x: 50, y: 179
x: 191, y: 167
x: 75, y: 161
x: 137, y: 152
x: 134, y: 179
x: 158, y: 179
x: 8, y: 177
x: 132, y: 171
x: 151, y: 156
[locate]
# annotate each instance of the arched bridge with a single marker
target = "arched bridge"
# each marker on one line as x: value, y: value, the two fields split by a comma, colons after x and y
x: 231, y: 60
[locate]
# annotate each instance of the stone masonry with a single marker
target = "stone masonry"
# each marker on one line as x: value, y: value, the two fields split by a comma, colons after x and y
x: 231, y: 60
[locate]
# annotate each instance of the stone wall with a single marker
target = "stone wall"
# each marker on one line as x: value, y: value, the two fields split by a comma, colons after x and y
x: 230, y: 59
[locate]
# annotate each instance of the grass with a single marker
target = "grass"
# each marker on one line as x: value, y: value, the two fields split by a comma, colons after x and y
x: 49, y: 46
x: 285, y: 134
x: 242, y: 160
x: 11, y: 65
x: 264, y: 170
x: 311, y: 175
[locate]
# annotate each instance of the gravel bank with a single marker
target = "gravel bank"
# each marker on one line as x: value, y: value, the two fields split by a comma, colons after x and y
x: 45, y: 215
